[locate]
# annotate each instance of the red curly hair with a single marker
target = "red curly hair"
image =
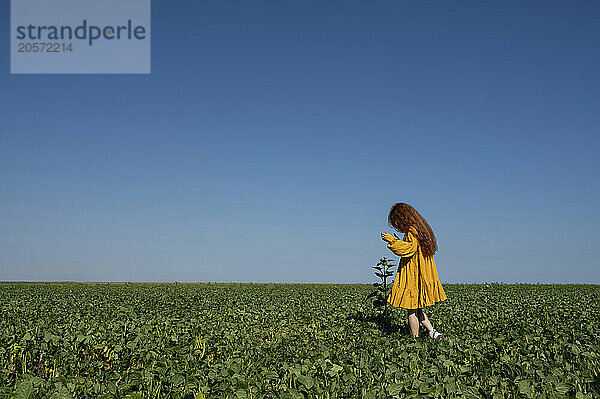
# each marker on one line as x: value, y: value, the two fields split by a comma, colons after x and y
x: 402, y: 216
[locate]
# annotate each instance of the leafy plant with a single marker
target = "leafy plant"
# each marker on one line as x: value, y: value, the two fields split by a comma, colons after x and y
x: 383, y: 270
x: 231, y: 340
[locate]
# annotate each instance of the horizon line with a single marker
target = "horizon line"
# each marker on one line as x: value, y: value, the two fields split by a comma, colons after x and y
x: 283, y: 282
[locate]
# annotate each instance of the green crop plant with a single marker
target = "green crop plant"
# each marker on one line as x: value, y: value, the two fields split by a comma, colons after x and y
x: 383, y: 270
x: 267, y: 341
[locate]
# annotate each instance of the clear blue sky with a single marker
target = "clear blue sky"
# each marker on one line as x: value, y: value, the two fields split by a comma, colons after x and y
x: 270, y: 140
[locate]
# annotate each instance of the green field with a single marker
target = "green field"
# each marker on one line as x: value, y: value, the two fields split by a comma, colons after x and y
x: 294, y: 341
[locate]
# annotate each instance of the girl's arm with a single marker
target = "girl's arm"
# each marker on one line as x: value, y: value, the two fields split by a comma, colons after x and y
x: 404, y: 248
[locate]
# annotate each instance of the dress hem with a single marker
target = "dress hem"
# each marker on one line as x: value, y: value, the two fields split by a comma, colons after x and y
x: 413, y: 299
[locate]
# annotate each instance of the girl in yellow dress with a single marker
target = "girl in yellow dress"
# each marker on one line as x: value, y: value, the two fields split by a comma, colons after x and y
x: 416, y: 284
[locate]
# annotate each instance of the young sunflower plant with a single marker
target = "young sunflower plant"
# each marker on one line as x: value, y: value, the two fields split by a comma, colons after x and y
x: 383, y: 270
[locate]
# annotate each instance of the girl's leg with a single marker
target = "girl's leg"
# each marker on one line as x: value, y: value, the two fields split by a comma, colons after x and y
x: 413, y: 322
x: 424, y: 320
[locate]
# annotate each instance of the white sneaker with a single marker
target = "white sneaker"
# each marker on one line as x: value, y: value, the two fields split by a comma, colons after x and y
x: 434, y: 335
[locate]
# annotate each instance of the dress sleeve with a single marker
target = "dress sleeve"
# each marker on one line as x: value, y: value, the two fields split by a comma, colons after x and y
x: 404, y: 248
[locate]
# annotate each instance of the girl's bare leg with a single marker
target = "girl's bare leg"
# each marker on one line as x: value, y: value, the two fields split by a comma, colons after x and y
x: 424, y: 320
x: 413, y: 322
x: 416, y: 316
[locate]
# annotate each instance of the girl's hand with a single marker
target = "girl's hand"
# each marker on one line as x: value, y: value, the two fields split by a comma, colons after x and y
x: 387, y: 237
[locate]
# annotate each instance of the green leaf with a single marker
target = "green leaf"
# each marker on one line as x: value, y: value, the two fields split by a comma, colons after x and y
x: 425, y: 389
x: 525, y: 387
x: 307, y: 381
x: 335, y: 369
x: 61, y: 393
x: 394, y: 389
x: 372, y: 294
x: 562, y: 388
x: 271, y: 375
x: 378, y: 303
x: 24, y: 390
x: 471, y: 393
x: 464, y: 369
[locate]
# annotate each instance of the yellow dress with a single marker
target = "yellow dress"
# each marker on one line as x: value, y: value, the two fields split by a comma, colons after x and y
x: 416, y: 283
